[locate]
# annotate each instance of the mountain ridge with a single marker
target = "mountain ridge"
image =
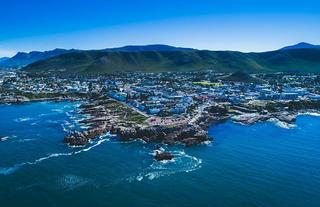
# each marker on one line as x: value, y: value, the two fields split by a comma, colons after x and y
x: 99, y: 62
x: 22, y: 59
x: 301, y: 45
x: 302, y: 57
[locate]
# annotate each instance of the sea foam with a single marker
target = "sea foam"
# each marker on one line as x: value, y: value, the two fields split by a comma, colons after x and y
x: 182, y: 163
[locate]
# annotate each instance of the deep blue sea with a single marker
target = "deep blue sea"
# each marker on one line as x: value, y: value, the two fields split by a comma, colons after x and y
x: 262, y: 165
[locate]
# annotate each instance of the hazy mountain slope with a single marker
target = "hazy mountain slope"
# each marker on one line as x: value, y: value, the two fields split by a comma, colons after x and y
x: 140, y: 48
x: 301, y: 45
x: 22, y: 58
x: 3, y: 59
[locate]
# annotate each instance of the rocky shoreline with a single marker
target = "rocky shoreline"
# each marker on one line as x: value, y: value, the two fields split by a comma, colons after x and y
x: 108, y: 115
x: 252, y: 118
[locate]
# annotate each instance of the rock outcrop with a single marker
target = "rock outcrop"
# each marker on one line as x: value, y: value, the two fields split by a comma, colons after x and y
x: 160, y: 156
x: 106, y: 117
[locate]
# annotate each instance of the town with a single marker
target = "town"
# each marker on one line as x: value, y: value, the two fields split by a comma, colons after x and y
x: 162, y: 94
x: 124, y: 102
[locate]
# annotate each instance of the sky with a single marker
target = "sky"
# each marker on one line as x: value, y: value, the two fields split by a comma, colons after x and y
x: 242, y: 25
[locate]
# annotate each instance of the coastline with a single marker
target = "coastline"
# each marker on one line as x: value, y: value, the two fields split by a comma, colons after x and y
x: 111, y: 116
x: 101, y: 119
x: 194, y: 131
x: 57, y: 99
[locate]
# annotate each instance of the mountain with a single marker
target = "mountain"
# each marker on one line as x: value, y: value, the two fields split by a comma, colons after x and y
x: 3, y: 59
x: 97, y: 62
x: 22, y: 58
x: 140, y: 48
x: 301, y: 45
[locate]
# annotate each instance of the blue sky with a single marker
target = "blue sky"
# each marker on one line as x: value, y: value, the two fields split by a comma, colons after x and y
x: 245, y: 25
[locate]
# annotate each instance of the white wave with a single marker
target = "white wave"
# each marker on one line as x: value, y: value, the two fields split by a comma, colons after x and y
x: 310, y: 113
x: 52, y: 121
x: 153, y: 175
x: 41, y: 115
x: 7, y: 171
x: 68, y: 126
x: 282, y: 124
x: 139, y: 178
x: 84, y: 127
x: 141, y: 141
x: 159, y: 150
x: 182, y: 162
x: 65, y: 129
x: 73, y: 116
x: 4, y: 138
x: 208, y: 143
x: 68, y: 114
x: 57, y: 110
x: 23, y: 119
x: 24, y: 140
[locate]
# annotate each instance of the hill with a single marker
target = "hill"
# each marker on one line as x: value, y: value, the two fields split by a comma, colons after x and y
x: 22, y: 58
x: 243, y: 77
x: 140, y: 48
x: 97, y: 62
x: 3, y: 59
x: 301, y: 45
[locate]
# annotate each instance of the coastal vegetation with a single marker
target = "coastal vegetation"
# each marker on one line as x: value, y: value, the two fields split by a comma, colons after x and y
x: 206, y: 83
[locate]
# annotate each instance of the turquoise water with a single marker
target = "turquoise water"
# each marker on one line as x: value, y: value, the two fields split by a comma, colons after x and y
x: 259, y: 165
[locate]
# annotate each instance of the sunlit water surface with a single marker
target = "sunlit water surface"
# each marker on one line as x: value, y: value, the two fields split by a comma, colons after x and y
x: 259, y: 165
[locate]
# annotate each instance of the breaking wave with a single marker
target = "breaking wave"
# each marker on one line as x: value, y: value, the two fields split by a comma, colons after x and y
x: 282, y: 124
x: 23, y: 119
x: 182, y: 163
x: 2, y: 139
x: 57, y: 110
x: 310, y: 113
x: 10, y: 170
x: 24, y: 140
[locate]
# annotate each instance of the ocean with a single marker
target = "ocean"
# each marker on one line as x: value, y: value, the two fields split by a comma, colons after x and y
x: 260, y: 165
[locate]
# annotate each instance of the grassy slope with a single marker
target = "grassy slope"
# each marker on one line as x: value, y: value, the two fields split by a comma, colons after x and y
x: 240, y: 76
x: 303, y: 60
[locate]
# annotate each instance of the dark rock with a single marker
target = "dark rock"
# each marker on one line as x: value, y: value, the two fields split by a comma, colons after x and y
x: 286, y: 117
x: 163, y: 156
x: 83, y: 138
x: 191, y: 141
